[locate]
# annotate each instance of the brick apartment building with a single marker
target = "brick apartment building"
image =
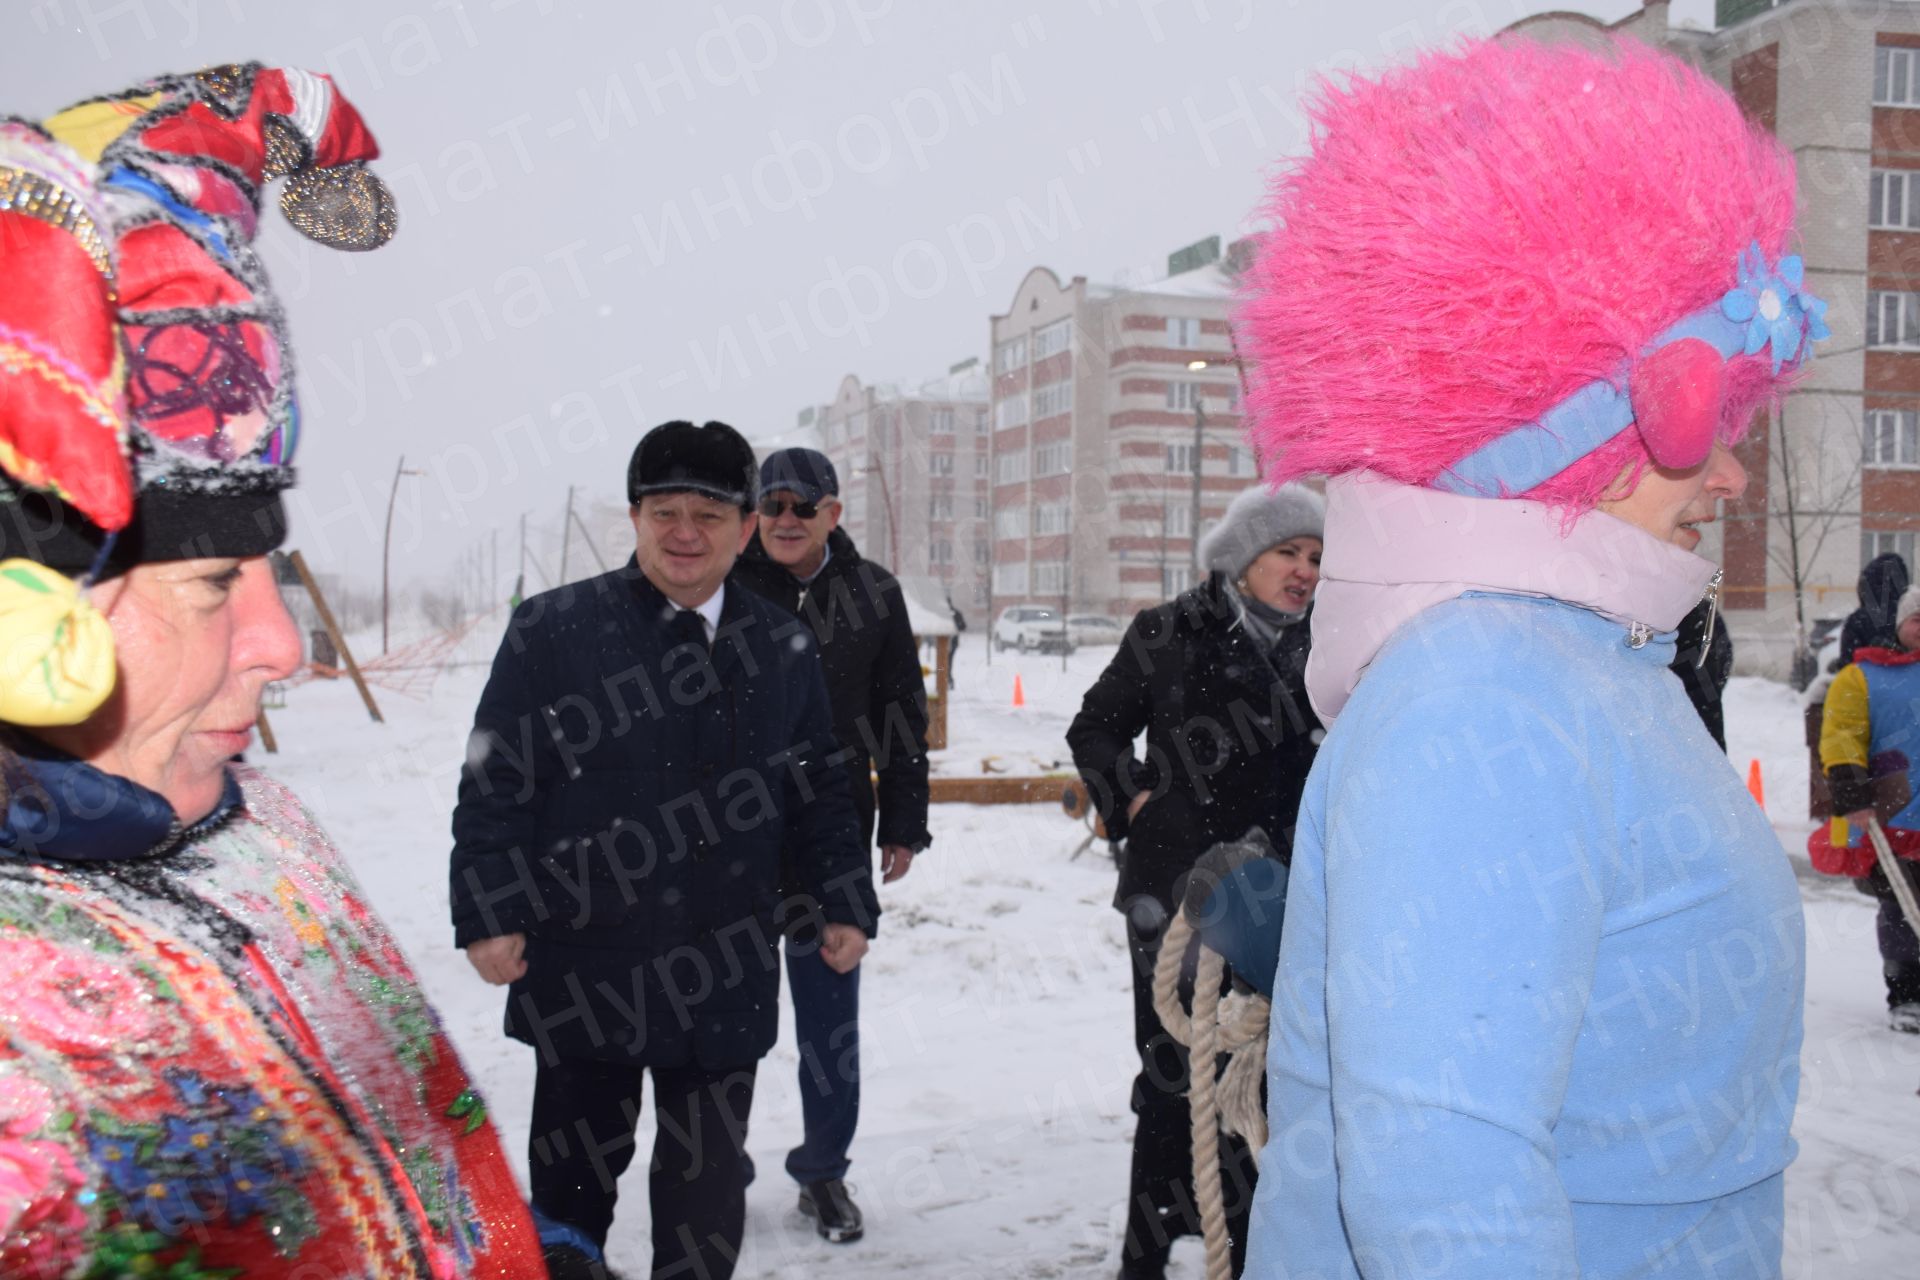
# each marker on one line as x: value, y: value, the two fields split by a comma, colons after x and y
x: 913, y: 476
x: 1835, y: 476
x: 1100, y: 393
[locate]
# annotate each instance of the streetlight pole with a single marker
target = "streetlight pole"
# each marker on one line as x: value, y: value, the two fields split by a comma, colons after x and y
x: 386, y: 545
x: 1199, y: 443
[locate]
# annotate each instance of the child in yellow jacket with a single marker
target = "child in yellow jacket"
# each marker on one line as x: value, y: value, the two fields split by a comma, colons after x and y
x: 1870, y: 732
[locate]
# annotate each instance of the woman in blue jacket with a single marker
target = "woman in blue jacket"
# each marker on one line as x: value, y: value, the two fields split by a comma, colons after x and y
x: 1538, y: 1003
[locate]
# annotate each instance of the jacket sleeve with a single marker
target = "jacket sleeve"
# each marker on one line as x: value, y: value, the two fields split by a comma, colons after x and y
x: 1846, y: 734
x: 1115, y: 711
x: 1464, y: 913
x: 898, y: 721
x: 510, y: 758
x: 823, y: 833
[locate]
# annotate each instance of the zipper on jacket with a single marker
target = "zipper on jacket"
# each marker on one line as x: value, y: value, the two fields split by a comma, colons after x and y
x: 1712, y: 598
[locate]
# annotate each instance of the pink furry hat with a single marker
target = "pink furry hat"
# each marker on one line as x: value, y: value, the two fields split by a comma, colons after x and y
x: 1518, y: 268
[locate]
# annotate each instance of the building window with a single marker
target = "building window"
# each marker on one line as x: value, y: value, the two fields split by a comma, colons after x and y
x: 1239, y: 461
x: 1012, y: 467
x: 982, y: 552
x: 940, y: 552
x: 943, y: 420
x: 1181, y: 395
x: 980, y: 465
x: 1177, y: 519
x: 1174, y: 579
x: 979, y: 422
x: 1179, y: 459
x: 1011, y: 412
x: 1010, y: 355
x: 1892, y: 438
x: 1055, y: 398
x: 979, y: 508
x: 1050, y: 578
x: 1052, y: 517
x: 940, y: 507
x: 1890, y: 203
x: 1895, y: 83
x: 1010, y: 522
x: 1056, y: 337
x: 1893, y: 319
x: 1183, y: 332
x: 1053, y: 458
x: 1010, y: 579
x: 1877, y: 542
x: 940, y: 464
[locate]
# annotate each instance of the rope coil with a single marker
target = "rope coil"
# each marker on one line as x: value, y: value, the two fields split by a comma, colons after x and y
x: 1218, y: 1097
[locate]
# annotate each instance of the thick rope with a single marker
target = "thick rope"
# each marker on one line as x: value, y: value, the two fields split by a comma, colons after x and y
x: 1217, y: 1026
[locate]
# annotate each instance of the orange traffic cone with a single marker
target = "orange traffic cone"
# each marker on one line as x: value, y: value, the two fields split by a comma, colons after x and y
x: 1755, y: 785
x: 1019, y: 694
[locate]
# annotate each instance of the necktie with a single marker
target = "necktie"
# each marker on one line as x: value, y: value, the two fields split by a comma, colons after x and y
x: 687, y: 628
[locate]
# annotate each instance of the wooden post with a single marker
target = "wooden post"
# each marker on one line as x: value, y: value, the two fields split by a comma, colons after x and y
x: 937, y: 704
x: 266, y: 734
x: 333, y: 631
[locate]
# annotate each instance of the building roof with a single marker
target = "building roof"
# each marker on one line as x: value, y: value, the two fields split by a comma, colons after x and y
x: 1210, y: 281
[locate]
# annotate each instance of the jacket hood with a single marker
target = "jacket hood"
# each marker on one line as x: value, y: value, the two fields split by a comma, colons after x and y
x: 1393, y: 550
x: 1882, y: 583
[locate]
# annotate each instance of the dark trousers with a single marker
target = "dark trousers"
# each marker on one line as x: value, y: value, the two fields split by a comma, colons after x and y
x: 1899, y: 948
x: 826, y: 1025
x: 584, y: 1114
x: 1160, y: 1199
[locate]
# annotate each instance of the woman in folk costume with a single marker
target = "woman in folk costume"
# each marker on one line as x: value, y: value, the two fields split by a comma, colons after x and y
x: 214, y: 1060
x: 1538, y: 1003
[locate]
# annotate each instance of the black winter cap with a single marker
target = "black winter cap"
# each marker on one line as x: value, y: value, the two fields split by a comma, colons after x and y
x: 678, y: 457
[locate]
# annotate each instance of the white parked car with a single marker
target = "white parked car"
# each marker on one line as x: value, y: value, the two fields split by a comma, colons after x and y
x: 1030, y: 627
x: 1093, y: 628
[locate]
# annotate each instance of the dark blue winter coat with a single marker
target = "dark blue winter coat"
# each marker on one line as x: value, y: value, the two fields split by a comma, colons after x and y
x: 624, y: 804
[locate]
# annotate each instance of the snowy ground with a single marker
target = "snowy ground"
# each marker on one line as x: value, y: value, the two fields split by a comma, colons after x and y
x: 994, y: 1135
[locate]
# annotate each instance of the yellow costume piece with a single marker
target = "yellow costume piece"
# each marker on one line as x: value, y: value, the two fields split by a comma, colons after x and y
x: 56, y: 651
x: 93, y: 126
x: 1845, y: 730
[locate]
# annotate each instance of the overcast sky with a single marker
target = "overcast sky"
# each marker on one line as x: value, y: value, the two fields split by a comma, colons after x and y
x: 616, y: 213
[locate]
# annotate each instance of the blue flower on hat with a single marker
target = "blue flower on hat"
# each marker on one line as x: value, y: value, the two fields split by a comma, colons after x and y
x: 1775, y: 308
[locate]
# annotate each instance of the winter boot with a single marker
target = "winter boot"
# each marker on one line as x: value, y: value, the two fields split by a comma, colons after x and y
x: 566, y: 1262
x: 835, y: 1216
x: 1905, y: 1017
x: 1151, y: 1265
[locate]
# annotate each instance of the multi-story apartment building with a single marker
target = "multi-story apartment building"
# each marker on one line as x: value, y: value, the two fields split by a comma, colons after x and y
x: 1835, y: 474
x: 913, y: 470
x: 1105, y: 400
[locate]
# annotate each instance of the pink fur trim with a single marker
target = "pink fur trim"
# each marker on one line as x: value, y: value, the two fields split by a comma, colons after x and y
x: 1476, y: 235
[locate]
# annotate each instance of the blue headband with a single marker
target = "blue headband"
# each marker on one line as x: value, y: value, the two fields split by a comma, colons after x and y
x: 1767, y: 309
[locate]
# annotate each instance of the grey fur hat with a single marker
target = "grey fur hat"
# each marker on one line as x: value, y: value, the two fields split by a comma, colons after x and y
x: 1258, y: 519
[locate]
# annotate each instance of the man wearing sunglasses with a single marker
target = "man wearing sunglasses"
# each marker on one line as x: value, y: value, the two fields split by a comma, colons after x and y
x: 802, y: 561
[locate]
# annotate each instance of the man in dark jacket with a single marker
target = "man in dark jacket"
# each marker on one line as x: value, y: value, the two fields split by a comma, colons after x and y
x: 802, y: 561
x: 648, y: 746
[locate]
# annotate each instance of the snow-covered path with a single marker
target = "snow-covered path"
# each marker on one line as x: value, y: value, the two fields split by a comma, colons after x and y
x: 994, y: 1133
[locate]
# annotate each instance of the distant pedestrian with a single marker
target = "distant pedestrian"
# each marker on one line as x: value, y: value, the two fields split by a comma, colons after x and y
x: 1215, y: 679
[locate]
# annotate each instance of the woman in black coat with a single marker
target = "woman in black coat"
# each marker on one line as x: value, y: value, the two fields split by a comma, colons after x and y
x: 1216, y: 680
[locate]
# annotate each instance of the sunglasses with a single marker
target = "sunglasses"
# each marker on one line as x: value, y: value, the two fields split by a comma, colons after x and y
x: 772, y: 508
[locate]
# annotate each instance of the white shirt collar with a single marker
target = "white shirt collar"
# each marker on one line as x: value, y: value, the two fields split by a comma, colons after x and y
x: 710, y: 611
